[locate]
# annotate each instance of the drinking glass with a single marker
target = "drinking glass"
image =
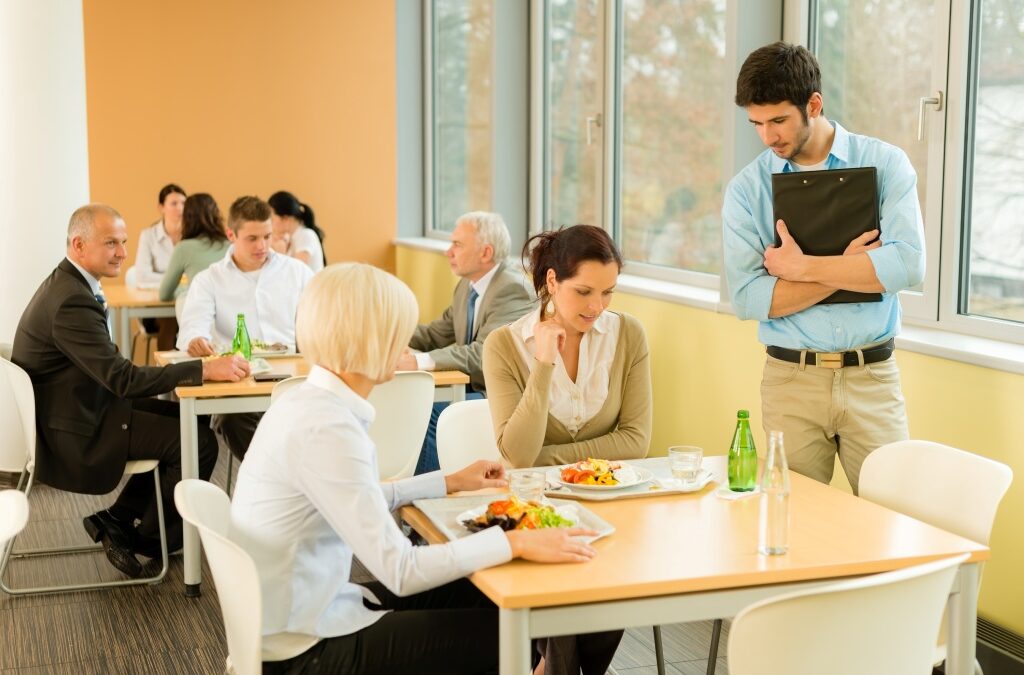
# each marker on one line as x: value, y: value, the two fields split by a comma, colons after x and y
x: 685, y: 461
x: 527, y: 485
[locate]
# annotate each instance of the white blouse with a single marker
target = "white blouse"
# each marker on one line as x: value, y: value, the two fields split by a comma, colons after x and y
x: 305, y: 240
x: 308, y: 497
x: 574, y: 403
x: 155, y: 249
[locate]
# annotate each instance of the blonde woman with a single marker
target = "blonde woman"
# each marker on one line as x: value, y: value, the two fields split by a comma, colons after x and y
x: 308, y: 499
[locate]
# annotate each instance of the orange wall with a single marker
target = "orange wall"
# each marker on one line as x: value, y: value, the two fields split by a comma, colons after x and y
x: 241, y: 97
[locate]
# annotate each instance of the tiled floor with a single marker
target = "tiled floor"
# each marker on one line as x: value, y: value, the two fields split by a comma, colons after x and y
x: 155, y: 629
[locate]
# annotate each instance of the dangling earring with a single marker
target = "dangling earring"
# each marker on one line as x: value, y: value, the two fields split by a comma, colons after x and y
x: 549, y: 309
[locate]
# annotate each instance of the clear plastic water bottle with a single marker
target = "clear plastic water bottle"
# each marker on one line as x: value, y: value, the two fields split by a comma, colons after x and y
x: 773, y: 533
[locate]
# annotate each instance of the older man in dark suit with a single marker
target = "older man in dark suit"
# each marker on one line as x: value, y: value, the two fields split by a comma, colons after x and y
x: 490, y: 294
x: 93, y: 411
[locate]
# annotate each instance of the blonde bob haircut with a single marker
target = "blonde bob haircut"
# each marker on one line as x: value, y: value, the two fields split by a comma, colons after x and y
x: 355, y: 318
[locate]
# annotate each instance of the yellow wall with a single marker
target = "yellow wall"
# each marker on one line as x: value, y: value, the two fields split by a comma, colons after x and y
x: 241, y: 97
x: 706, y: 365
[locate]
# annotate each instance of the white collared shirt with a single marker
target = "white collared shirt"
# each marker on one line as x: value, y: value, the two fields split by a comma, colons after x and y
x: 155, y: 249
x: 308, y: 497
x: 269, y: 298
x: 423, y: 360
x: 304, y: 240
x: 574, y: 403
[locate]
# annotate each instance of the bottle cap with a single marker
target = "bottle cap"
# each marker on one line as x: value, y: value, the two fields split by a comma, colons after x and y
x: 742, y: 414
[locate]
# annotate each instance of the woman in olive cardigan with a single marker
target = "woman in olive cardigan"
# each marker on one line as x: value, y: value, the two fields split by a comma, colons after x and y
x: 568, y: 382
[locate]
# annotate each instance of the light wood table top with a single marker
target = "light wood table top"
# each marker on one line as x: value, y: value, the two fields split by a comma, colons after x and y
x: 291, y: 365
x: 700, y: 542
x: 120, y: 295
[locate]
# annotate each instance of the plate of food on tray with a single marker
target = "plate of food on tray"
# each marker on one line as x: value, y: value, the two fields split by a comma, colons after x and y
x: 601, y: 475
x: 261, y: 348
x: 512, y: 513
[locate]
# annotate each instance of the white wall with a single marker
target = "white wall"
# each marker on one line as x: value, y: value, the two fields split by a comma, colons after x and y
x: 44, y: 163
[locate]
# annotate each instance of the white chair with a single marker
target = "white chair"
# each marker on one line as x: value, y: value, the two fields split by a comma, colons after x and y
x: 5, y: 350
x: 951, y: 489
x: 206, y: 506
x: 17, y: 455
x: 403, y: 407
x: 465, y: 434
x: 13, y: 515
x: 883, y: 624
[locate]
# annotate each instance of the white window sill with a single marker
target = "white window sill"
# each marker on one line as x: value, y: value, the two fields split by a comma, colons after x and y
x: 1006, y: 356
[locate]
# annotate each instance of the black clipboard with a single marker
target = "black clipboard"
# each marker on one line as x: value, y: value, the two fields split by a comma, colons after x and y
x: 826, y: 210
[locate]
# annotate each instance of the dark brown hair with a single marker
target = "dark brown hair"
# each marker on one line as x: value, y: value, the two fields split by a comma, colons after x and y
x: 202, y: 219
x: 564, y: 250
x: 247, y: 209
x: 777, y: 73
x: 171, y: 189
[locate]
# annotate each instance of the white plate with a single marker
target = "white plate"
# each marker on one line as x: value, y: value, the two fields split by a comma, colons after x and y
x: 272, y: 352
x: 642, y: 476
x: 703, y: 478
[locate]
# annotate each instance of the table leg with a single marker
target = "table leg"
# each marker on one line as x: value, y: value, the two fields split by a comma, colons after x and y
x: 458, y: 393
x: 962, y: 614
x: 513, y: 641
x: 190, y: 469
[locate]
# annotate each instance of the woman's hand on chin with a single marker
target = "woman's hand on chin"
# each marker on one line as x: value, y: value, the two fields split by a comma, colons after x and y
x: 480, y: 474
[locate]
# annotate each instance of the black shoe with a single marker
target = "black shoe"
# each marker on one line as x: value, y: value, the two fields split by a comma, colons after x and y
x: 117, y: 542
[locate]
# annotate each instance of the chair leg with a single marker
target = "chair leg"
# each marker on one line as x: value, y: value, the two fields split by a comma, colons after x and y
x: 716, y: 634
x: 659, y: 651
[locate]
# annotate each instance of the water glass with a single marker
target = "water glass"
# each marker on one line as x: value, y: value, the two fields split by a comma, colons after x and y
x: 685, y: 461
x: 527, y: 485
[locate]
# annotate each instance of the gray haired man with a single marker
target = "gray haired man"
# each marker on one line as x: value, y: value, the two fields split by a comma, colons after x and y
x: 490, y: 294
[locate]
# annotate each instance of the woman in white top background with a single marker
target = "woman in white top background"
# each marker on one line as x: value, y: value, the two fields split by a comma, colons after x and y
x: 308, y: 498
x: 156, y: 244
x: 295, y: 230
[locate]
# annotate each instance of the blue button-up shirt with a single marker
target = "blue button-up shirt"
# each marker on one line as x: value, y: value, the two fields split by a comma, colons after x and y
x: 749, y: 228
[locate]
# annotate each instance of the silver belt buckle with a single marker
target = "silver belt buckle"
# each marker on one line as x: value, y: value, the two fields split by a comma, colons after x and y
x: 829, y: 360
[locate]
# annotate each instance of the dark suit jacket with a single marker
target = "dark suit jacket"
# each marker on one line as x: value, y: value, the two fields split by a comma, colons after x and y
x: 508, y: 297
x: 82, y: 385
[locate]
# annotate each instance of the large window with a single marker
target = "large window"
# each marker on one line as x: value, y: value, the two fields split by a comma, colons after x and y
x: 994, y: 267
x: 673, y: 84
x: 461, y: 54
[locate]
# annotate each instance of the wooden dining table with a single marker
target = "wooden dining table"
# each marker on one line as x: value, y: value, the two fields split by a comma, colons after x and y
x: 693, y: 557
x: 128, y: 302
x: 246, y: 396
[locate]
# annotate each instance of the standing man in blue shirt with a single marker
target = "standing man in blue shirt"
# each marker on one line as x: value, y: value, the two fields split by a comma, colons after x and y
x: 829, y: 381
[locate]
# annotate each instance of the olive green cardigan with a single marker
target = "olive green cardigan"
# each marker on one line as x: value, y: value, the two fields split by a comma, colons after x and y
x: 527, y: 435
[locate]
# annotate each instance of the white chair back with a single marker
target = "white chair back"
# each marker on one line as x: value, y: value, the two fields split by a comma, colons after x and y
x: 13, y: 515
x: 465, y: 434
x: 883, y: 624
x: 17, y: 419
x: 6, y: 348
x: 130, y: 277
x: 238, y: 587
x: 403, y: 412
x: 284, y: 385
x: 951, y: 489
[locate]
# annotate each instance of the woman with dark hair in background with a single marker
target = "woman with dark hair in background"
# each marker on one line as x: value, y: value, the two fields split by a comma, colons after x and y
x: 295, y: 230
x: 203, y: 242
x: 571, y: 381
x: 156, y: 244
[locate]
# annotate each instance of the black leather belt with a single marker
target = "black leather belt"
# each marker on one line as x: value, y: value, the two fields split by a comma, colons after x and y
x: 835, y: 359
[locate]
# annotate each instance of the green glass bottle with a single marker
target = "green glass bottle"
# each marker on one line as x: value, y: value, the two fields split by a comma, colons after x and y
x: 241, y: 345
x: 742, y: 456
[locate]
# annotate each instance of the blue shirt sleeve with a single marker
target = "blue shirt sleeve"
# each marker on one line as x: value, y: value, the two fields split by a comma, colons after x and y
x: 900, y: 260
x: 750, y: 285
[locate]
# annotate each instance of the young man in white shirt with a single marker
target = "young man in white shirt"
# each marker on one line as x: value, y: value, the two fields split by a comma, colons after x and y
x: 252, y: 280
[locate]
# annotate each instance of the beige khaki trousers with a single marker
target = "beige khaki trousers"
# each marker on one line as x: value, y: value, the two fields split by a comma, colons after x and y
x: 822, y: 411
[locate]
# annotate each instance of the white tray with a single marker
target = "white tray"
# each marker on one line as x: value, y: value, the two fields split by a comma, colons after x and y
x: 443, y: 512
x: 662, y: 484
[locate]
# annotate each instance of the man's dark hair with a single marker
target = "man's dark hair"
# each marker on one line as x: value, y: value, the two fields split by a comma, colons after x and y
x: 246, y: 209
x: 777, y: 73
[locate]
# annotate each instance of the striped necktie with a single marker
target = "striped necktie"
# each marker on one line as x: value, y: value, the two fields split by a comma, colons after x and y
x: 103, y: 303
x: 471, y: 314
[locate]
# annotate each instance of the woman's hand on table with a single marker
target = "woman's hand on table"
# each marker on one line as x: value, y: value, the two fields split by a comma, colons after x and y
x: 548, y: 337
x: 480, y: 474
x: 200, y: 346
x: 226, y: 369
x: 552, y: 545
